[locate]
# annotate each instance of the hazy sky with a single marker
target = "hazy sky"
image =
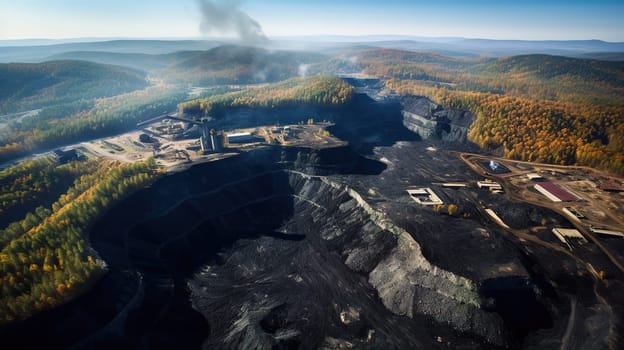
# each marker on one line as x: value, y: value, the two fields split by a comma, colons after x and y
x: 498, y: 19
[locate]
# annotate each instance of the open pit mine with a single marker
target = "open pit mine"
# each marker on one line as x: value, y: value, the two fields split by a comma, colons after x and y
x: 324, y: 248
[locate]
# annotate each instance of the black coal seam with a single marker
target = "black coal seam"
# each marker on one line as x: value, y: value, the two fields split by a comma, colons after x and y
x: 260, y: 200
x: 106, y: 327
x: 222, y: 187
x: 123, y: 313
x: 218, y: 189
x: 246, y: 204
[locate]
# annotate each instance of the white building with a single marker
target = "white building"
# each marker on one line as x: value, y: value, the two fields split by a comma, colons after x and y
x: 424, y: 196
x: 240, y: 137
x: 490, y: 185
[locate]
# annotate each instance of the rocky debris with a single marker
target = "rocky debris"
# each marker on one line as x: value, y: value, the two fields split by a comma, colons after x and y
x: 350, y: 315
x: 430, y: 120
x: 408, y: 284
x: 333, y: 219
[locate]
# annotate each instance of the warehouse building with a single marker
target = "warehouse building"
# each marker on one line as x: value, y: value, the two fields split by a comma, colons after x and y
x: 565, y: 235
x: 241, y: 137
x: 556, y: 193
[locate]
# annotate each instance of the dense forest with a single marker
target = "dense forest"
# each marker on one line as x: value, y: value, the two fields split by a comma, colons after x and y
x: 318, y: 90
x: 45, y: 258
x: 30, y: 86
x: 534, y: 107
x: 551, y: 78
x: 79, y: 121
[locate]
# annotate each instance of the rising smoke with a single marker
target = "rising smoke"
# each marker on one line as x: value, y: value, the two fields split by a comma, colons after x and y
x: 225, y: 17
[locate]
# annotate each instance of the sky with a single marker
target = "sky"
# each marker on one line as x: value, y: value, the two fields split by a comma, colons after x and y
x: 492, y: 19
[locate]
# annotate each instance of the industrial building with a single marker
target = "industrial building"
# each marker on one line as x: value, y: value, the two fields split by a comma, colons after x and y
x: 454, y: 184
x: 494, y: 186
x: 573, y: 213
x: 535, y: 177
x: 241, y: 137
x: 424, y: 196
x: 63, y: 157
x: 210, y: 141
x: 556, y: 193
x: 606, y: 232
x: 563, y: 234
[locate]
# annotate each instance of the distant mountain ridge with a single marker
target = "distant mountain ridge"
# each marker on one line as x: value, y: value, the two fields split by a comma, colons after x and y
x: 39, y: 53
x: 40, y: 50
x: 141, y: 61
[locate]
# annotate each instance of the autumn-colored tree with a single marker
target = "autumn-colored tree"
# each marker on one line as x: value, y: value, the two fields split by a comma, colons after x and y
x: 51, y: 262
x: 452, y: 209
x: 325, y: 91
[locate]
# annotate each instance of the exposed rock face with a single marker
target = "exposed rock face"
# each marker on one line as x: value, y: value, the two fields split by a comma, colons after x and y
x: 409, y: 284
x: 334, y: 220
x: 430, y: 120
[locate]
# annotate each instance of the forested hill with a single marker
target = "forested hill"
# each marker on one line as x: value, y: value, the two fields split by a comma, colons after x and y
x: 231, y: 64
x: 29, y: 86
x: 314, y: 91
x: 532, y: 107
x: 141, y: 61
x: 398, y: 57
x: 227, y: 64
x: 548, y: 66
x: 555, y: 78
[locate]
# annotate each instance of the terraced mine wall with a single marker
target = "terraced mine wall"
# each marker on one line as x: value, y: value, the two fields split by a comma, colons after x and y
x: 430, y: 120
x: 317, y: 230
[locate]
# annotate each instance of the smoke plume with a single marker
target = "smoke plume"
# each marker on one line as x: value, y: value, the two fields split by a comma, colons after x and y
x: 303, y: 69
x: 226, y: 17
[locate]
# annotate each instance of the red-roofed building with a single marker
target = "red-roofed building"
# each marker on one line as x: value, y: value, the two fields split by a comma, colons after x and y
x: 556, y: 193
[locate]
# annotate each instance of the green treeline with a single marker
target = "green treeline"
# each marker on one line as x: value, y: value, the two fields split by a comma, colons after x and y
x: 319, y: 90
x: 61, y: 125
x: 535, y: 107
x: 45, y: 260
